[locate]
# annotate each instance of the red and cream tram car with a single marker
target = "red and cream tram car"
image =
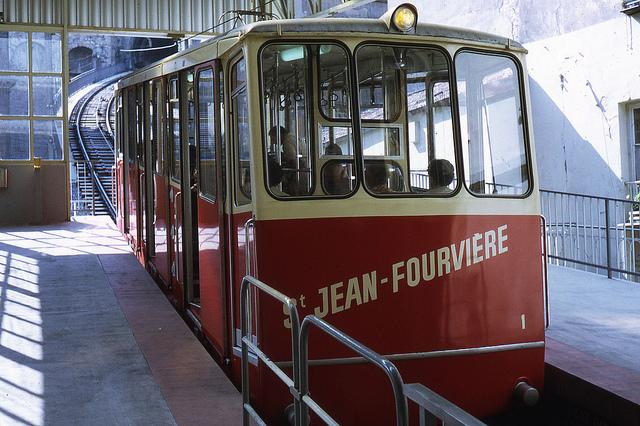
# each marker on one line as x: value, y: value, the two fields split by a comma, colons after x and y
x: 385, y: 179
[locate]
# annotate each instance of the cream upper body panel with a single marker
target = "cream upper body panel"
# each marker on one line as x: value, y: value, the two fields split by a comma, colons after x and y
x: 362, y: 203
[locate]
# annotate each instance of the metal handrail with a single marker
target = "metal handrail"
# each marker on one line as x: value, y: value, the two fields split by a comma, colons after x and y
x: 293, y: 384
x: 545, y: 268
x: 432, y: 406
x: 402, y: 417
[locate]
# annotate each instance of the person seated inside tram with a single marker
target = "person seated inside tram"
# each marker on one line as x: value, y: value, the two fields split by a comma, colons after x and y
x: 375, y: 176
x: 287, y: 146
x: 441, y: 174
x: 274, y: 173
x: 334, y: 175
x: 282, y: 145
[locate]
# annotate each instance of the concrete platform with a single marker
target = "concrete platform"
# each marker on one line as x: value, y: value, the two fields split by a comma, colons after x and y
x: 593, y: 343
x: 88, y: 338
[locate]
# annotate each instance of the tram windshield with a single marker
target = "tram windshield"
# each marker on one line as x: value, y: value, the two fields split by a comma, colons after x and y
x: 492, y: 125
x: 406, y: 121
x: 307, y: 119
x: 405, y: 111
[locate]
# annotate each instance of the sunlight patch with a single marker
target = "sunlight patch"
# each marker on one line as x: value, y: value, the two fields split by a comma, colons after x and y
x: 21, y: 345
x: 23, y: 299
x: 22, y: 328
x: 23, y: 285
x: 22, y: 312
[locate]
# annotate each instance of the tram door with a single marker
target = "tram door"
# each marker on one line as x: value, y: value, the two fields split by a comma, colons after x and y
x: 141, y: 193
x: 175, y: 238
x: 240, y: 236
x: 159, y: 208
x: 122, y: 164
x: 132, y: 169
x: 210, y: 294
x: 146, y: 180
x: 190, y: 194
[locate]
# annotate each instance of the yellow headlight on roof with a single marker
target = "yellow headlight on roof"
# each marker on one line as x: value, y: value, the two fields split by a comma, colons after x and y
x: 405, y: 17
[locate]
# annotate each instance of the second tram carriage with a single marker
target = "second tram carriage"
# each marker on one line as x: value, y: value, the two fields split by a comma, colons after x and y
x: 383, y: 178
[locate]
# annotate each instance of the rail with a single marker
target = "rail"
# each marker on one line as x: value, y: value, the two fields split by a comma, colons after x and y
x: 100, y: 186
x: 92, y: 170
x: 596, y: 234
x: 402, y: 416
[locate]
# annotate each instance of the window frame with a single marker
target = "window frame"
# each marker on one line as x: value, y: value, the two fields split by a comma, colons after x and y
x: 313, y: 135
x: 159, y: 131
x: 170, y: 130
x: 455, y: 124
x: 30, y: 117
x: 232, y: 130
x: 525, y: 121
x: 211, y: 197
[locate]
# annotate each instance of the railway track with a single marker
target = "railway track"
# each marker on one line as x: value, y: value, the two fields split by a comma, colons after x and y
x: 91, y: 126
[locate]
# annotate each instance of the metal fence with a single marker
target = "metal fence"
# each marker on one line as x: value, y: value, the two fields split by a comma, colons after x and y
x: 595, y: 234
x: 85, y: 196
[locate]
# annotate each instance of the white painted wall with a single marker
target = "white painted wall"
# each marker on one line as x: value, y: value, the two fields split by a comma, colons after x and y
x: 584, y: 69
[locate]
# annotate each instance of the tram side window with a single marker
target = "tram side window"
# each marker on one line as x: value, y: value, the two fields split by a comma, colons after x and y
x: 155, y: 127
x: 242, y: 143
x: 206, y: 134
x: 292, y: 76
x: 140, y: 123
x: 191, y: 127
x: 407, y: 145
x: 131, y: 124
x: 174, y: 128
x: 119, y: 124
x: 492, y: 125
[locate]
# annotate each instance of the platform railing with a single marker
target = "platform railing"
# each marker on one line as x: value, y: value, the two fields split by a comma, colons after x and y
x: 431, y: 406
x: 402, y: 416
x: 247, y: 344
x: 84, y: 195
x: 595, y: 234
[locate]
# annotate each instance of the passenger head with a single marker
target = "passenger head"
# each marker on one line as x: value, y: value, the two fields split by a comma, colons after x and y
x: 333, y: 149
x: 375, y: 176
x: 441, y: 172
x: 273, y: 134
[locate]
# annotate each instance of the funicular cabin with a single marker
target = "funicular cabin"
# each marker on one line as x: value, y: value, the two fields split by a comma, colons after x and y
x: 384, y: 179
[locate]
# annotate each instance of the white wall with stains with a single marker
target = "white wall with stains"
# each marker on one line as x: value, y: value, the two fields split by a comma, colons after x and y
x: 584, y: 69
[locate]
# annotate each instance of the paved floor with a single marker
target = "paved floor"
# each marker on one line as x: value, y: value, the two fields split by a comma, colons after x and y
x: 87, y: 338
x: 594, y: 331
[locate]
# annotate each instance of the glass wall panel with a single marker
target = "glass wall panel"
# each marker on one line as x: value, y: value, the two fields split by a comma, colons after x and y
x: 14, y: 95
x: 47, y: 96
x: 46, y: 52
x: 47, y: 139
x: 14, y: 53
x: 14, y: 140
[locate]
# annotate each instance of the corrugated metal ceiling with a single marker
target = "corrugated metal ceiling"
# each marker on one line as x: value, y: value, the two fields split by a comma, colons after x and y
x: 167, y: 16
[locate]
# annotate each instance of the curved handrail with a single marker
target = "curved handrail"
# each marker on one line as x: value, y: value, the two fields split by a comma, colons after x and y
x: 292, y: 384
x: 402, y: 417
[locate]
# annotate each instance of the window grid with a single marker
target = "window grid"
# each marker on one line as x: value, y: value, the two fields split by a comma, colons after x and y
x: 31, y: 117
